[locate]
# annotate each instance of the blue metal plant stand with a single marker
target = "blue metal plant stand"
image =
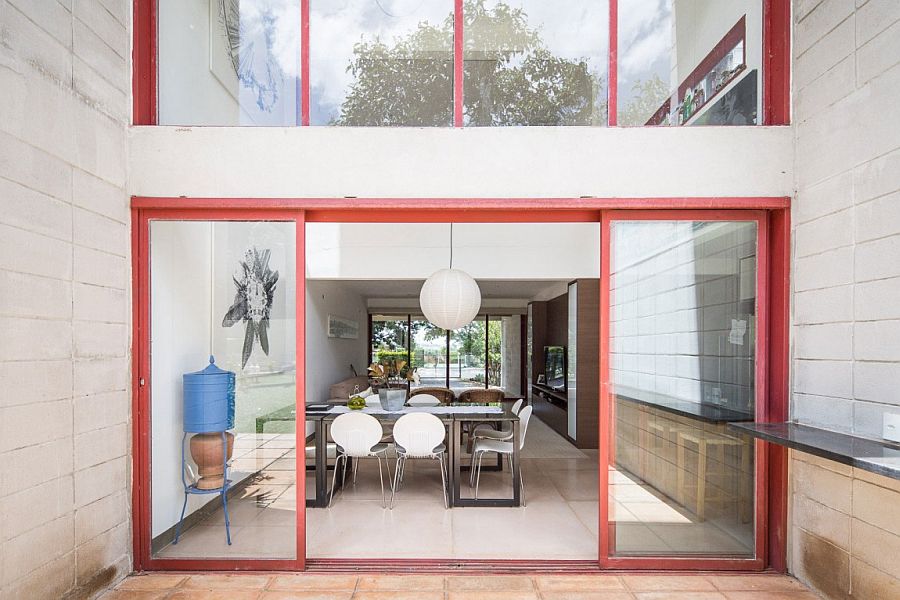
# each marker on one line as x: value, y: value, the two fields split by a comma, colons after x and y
x: 193, y: 489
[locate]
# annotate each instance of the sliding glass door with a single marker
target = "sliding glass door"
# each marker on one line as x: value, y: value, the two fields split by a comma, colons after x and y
x: 218, y: 392
x: 684, y: 312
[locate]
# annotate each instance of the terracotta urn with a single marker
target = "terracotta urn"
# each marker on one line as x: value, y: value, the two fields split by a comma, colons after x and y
x: 206, y: 450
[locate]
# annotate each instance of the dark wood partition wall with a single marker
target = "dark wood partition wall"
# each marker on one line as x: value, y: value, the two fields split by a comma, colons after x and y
x: 550, y: 321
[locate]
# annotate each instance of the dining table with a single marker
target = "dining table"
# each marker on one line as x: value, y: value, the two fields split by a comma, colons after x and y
x: 454, y: 416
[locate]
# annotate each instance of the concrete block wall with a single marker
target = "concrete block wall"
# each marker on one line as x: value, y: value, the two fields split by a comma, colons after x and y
x: 64, y: 299
x: 846, y: 284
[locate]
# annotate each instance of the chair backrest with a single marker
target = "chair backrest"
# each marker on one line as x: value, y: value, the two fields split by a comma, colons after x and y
x: 423, y: 400
x: 356, y: 433
x: 481, y: 395
x: 445, y: 395
x: 419, y: 433
x: 524, y: 417
x: 517, y: 406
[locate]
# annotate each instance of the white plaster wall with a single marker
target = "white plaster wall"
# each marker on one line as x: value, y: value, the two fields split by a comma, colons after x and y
x: 180, y: 297
x: 516, y: 250
x: 188, y: 90
x: 700, y: 25
x: 531, y: 162
x: 328, y: 360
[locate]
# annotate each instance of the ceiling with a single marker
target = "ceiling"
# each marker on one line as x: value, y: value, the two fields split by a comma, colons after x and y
x: 505, y: 289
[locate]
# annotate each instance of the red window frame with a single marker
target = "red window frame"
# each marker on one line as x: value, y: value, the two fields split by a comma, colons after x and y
x: 771, y: 489
x: 776, y: 63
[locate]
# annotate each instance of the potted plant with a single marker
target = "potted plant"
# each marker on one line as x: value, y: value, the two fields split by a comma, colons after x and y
x: 391, y: 376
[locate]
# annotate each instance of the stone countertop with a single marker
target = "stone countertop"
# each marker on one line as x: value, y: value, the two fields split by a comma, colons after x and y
x: 878, y: 457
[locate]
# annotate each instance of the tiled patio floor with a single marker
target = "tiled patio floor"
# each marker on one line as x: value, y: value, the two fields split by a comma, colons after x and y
x: 459, y: 587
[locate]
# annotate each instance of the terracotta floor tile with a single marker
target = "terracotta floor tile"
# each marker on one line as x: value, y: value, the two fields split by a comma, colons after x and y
x: 575, y: 595
x: 134, y: 595
x: 490, y: 584
x: 151, y: 582
x: 307, y: 595
x: 226, y: 582
x: 219, y: 594
x: 668, y: 583
x: 666, y: 595
x: 491, y: 595
x: 749, y: 583
x: 401, y: 582
x: 399, y: 595
x: 580, y: 583
x: 771, y: 595
x: 292, y: 583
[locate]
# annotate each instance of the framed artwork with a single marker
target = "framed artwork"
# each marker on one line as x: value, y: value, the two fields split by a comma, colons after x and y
x: 345, y: 329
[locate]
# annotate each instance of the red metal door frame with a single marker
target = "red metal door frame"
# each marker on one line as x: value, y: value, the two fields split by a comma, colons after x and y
x: 771, y: 213
x: 141, y: 397
x: 607, y: 434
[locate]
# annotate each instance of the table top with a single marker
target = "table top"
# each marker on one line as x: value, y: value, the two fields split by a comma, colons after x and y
x: 882, y: 458
x: 694, y: 410
x: 492, y: 413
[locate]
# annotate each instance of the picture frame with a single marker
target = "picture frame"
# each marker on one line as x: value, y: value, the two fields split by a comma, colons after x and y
x: 342, y: 328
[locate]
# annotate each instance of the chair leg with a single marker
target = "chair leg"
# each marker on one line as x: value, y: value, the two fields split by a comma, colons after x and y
x: 396, y: 479
x: 334, y: 479
x: 440, y: 458
x: 478, y: 474
x: 381, y: 481
x: 227, y: 522
x: 181, y: 520
x: 355, y: 469
x: 522, y: 485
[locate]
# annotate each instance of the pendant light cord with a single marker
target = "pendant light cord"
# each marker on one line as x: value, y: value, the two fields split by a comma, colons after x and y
x: 451, y: 245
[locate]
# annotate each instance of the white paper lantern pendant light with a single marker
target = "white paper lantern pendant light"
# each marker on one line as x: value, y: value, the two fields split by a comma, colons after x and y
x: 450, y: 298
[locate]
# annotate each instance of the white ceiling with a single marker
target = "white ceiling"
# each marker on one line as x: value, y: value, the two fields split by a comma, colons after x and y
x: 501, y: 289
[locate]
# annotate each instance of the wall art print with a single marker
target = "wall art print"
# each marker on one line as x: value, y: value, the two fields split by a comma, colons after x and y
x: 339, y: 327
x: 253, y: 300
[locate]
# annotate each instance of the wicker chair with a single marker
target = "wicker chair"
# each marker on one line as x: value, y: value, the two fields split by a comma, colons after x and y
x: 481, y: 396
x: 445, y: 395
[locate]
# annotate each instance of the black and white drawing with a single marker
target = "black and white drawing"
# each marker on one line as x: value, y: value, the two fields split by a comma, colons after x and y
x: 255, y: 285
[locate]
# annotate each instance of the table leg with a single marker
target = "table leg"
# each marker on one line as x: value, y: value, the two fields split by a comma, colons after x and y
x: 455, y: 473
x: 517, y: 489
x: 321, y: 465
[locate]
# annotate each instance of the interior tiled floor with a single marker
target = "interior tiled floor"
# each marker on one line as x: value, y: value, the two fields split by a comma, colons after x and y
x: 559, y: 521
x: 458, y: 587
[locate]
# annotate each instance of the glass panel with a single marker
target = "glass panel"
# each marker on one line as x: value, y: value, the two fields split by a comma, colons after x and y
x: 467, y: 358
x: 389, y: 338
x: 382, y: 62
x: 225, y: 289
x: 531, y: 62
x: 429, y: 353
x: 229, y: 62
x: 683, y: 338
x: 689, y: 62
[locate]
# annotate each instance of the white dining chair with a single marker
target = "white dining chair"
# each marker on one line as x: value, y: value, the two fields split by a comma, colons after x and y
x: 418, y: 435
x: 358, y: 435
x: 486, y: 430
x: 423, y: 400
x: 500, y: 447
